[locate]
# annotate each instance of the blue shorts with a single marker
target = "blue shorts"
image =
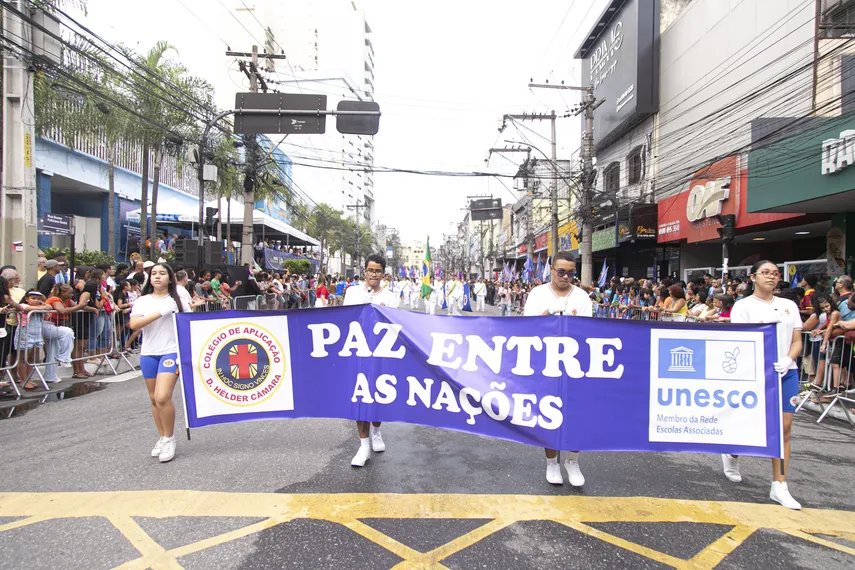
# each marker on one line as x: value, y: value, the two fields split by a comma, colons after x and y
x: 790, y: 391
x: 151, y: 366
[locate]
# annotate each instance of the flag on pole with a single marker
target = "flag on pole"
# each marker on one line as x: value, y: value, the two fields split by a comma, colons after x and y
x: 603, y: 275
x: 539, y: 269
x: 546, y: 273
x: 426, y: 289
x: 797, y: 278
x: 401, y: 272
x: 528, y: 267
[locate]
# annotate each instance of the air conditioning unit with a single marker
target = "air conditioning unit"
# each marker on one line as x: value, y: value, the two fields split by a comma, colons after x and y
x: 46, y: 47
x: 209, y: 173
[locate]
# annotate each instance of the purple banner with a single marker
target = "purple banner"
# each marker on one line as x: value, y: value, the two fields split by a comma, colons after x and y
x: 558, y: 382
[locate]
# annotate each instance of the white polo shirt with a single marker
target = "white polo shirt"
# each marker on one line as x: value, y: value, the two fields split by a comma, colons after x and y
x: 359, y: 295
x: 783, y: 312
x: 542, y: 298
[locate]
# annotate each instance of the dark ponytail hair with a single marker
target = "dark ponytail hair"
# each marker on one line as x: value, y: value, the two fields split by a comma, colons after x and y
x: 749, y: 289
x: 170, y: 287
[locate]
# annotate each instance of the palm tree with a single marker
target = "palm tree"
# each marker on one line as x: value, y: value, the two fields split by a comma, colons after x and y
x: 169, y: 115
x: 323, y: 221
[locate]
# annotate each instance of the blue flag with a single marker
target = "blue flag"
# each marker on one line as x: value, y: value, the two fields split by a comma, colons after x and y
x: 466, y: 294
x: 604, y: 272
x: 797, y: 278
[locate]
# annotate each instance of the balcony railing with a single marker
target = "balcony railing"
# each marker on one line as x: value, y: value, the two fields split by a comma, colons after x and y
x: 128, y: 155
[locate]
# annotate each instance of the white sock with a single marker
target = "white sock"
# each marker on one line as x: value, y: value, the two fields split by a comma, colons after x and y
x: 571, y: 456
x: 552, y: 460
x: 377, y: 432
x: 170, y: 438
x: 364, y: 442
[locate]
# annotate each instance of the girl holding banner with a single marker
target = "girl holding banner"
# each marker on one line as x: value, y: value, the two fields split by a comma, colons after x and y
x: 370, y: 292
x: 761, y: 306
x: 153, y: 313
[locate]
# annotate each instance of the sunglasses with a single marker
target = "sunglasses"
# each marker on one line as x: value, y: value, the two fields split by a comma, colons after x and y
x: 562, y: 273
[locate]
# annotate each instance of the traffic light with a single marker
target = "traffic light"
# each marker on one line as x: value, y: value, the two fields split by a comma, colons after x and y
x: 728, y: 227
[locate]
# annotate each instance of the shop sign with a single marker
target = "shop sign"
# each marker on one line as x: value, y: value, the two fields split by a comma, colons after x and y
x: 541, y: 241
x: 838, y: 154
x: 603, y: 239
x: 706, y: 201
x: 642, y: 232
x: 522, y: 249
x: 691, y: 215
x: 566, y: 238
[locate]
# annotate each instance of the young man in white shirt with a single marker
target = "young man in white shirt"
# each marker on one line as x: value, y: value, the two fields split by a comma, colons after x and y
x: 560, y: 297
x: 370, y: 292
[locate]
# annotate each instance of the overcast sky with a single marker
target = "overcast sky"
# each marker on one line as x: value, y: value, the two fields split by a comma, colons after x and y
x: 446, y: 71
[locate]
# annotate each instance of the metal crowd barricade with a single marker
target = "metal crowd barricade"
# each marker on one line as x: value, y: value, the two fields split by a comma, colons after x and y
x: 93, y: 337
x: 247, y: 303
x: 841, y: 370
x: 126, y: 341
x: 8, y: 349
x: 211, y: 306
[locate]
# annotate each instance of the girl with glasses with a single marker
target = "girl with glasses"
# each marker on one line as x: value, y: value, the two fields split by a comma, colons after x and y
x: 762, y: 306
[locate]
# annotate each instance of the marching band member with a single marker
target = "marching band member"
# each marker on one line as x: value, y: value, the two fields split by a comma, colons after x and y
x: 370, y: 292
x: 560, y: 297
x: 454, y: 294
x: 430, y: 300
x: 415, y: 294
x: 480, y: 292
x: 760, y: 305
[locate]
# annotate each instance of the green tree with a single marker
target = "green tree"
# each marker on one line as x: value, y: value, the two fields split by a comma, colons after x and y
x: 172, y: 99
x: 322, y: 223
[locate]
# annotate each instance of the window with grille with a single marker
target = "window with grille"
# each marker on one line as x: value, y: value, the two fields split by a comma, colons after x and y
x: 837, y: 19
x: 611, y: 178
x: 634, y: 165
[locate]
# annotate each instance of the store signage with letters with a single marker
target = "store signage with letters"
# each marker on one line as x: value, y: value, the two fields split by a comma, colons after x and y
x: 706, y: 201
x: 838, y: 154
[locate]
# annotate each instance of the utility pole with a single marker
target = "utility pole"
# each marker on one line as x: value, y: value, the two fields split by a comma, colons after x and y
x: 357, y: 258
x: 542, y: 117
x: 251, y: 145
x: 588, y: 105
x: 18, y: 206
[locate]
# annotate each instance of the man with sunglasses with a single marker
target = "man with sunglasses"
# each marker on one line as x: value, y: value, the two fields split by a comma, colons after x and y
x: 560, y: 297
x: 370, y: 292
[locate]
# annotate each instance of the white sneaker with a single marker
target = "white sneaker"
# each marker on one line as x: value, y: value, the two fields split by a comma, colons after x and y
x: 158, y: 447
x: 731, y: 467
x: 377, y: 441
x: 553, y: 473
x: 781, y: 494
x: 574, y: 474
x: 363, y: 455
x: 53, y: 380
x: 65, y: 365
x: 168, y: 451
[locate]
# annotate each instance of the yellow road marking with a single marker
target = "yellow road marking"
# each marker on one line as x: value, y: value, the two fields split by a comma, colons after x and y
x: 714, y: 553
x: 346, y: 509
x: 625, y: 544
x: 821, y: 541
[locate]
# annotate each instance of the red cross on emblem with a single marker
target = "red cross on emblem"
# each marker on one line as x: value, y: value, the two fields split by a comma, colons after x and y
x: 242, y: 359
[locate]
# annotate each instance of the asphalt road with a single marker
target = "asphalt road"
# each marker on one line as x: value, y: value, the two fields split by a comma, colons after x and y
x: 79, y: 490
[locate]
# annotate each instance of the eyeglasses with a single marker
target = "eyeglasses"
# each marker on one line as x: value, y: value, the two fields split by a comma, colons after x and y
x: 767, y: 273
x: 562, y: 273
x: 374, y: 272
